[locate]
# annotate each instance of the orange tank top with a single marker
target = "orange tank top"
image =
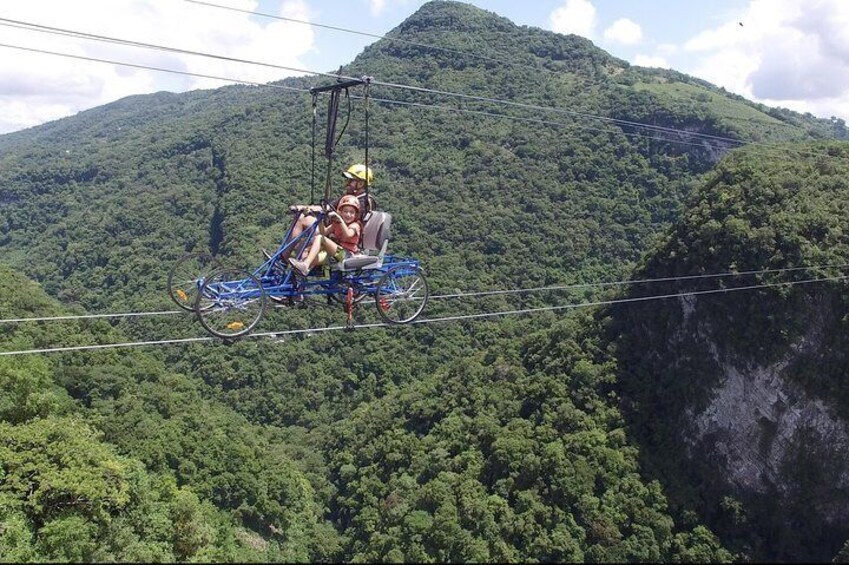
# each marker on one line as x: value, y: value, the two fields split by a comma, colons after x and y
x: 351, y: 244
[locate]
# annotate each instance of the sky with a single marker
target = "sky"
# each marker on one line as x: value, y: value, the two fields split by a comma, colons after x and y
x: 788, y: 53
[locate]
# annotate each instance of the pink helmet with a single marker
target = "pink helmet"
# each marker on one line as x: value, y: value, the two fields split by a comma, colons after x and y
x: 349, y: 200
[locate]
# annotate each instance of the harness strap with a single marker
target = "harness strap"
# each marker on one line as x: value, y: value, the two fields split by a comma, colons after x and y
x: 312, y: 169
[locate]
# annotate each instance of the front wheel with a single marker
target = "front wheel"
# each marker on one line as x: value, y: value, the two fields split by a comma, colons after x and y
x: 402, y: 294
x: 187, y: 276
x: 230, y: 303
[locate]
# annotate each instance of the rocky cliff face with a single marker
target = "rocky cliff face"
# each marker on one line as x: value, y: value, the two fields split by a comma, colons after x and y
x: 759, y: 423
x: 739, y: 399
x: 754, y: 439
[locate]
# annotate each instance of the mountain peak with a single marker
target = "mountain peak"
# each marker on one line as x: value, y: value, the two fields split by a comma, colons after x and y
x: 456, y: 16
x: 456, y: 35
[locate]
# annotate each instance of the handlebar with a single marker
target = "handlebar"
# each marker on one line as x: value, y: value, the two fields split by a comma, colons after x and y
x: 305, y: 209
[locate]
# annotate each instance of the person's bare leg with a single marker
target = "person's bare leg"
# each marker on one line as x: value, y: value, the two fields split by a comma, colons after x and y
x: 315, y: 247
x: 318, y: 243
x: 303, y: 223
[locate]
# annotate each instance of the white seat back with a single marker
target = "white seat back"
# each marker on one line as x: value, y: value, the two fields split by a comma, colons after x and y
x: 376, y: 231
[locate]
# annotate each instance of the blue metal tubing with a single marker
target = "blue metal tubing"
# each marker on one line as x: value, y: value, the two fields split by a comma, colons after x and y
x: 365, y: 282
x: 230, y: 290
x: 284, y: 284
x: 265, y: 271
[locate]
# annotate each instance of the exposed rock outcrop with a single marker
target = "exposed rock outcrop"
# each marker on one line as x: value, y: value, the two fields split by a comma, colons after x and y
x: 759, y: 423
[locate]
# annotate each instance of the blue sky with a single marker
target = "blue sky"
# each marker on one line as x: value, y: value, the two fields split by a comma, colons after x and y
x: 653, y: 16
x: 789, y: 53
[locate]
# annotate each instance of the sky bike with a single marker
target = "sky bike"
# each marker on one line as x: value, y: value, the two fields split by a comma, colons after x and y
x: 230, y: 302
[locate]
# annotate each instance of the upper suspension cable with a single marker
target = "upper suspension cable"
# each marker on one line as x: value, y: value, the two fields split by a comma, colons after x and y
x: 458, y: 110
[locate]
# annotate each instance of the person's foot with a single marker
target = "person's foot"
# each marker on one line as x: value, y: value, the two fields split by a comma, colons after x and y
x: 301, y: 266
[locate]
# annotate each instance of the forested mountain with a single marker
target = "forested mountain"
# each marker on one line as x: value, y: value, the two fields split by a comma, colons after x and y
x: 544, y: 437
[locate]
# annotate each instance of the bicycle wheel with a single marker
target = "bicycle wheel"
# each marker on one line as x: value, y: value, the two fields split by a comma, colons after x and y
x: 187, y: 276
x: 402, y: 294
x: 230, y: 303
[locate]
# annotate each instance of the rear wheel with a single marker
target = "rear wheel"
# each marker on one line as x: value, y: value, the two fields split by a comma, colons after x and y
x: 402, y: 295
x: 187, y: 276
x: 230, y: 303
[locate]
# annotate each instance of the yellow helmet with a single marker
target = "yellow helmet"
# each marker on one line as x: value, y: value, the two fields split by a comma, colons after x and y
x: 359, y: 171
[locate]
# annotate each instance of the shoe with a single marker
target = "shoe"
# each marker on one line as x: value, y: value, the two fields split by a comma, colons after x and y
x: 301, y: 266
x: 296, y: 300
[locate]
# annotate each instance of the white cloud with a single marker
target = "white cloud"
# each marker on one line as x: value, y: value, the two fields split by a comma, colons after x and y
x: 37, y: 87
x: 666, y: 49
x: 376, y: 6
x: 826, y: 108
x: 786, y: 53
x: 575, y: 16
x: 651, y: 61
x: 624, y: 31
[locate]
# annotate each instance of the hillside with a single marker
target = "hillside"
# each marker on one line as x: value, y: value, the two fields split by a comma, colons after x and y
x: 471, y: 441
x: 750, y: 385
x: 112, y: 457
x: 98, y: 206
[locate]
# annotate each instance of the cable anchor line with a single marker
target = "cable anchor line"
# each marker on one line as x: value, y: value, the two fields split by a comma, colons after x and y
x: 481, y: 293
x: 311, y: 331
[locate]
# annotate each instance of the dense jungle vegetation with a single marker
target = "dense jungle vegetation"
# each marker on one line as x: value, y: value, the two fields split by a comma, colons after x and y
x: 467, y: 441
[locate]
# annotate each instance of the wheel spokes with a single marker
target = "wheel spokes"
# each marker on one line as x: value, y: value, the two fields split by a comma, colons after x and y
x: 230, y: 303
x: 401, y: 296
x: 187, y: 276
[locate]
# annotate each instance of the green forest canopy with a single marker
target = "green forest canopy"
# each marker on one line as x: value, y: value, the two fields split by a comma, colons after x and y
x: 457, y: 442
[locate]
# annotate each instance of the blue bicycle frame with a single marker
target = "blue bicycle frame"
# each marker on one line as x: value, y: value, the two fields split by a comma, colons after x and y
x: 280, y: 280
